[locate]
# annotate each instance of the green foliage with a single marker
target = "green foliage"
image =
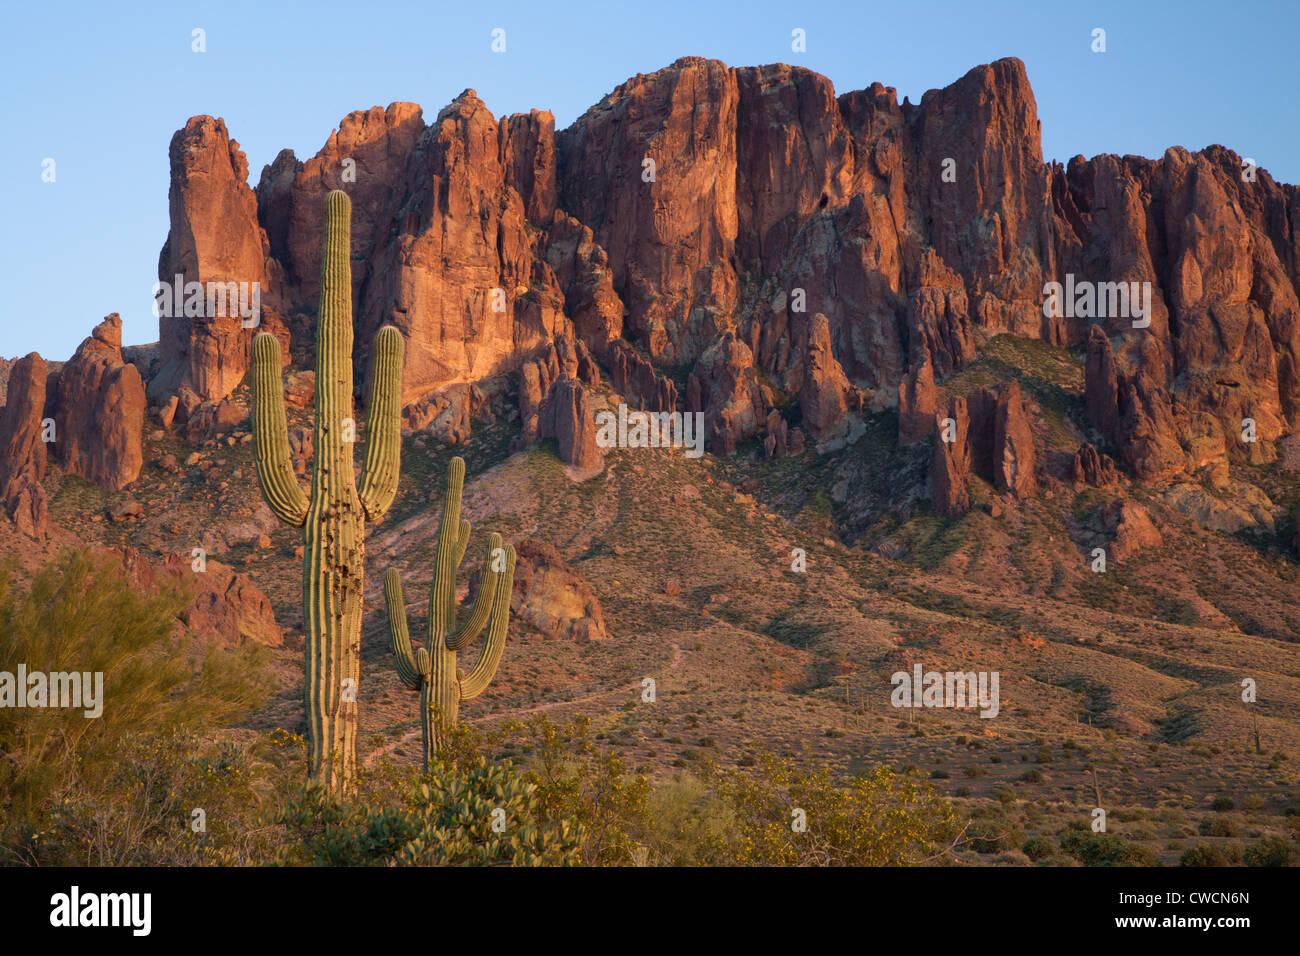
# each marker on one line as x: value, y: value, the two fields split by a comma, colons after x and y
x: 79, y: 614
x: 142, y: 812
x: 471, y: 813
x: 1219, y: 827
x: 734, y: 817
x: 880, y: 818
x: 1273, y: 851
x: 992, y: 835
x: 1209, y: 854
x: 575, y: 781
x: 1039, y: 848
x: 1106, y: 849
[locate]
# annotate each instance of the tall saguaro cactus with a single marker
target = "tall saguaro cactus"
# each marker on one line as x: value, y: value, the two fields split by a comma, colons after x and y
x: 432, y: 669
x: 334, y: 515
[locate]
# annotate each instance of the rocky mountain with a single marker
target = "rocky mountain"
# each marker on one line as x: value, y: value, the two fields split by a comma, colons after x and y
x: 741, y: 243
x: 776, y: 248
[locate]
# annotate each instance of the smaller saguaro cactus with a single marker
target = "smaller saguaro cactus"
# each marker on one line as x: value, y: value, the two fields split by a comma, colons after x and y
x: 432, y: 669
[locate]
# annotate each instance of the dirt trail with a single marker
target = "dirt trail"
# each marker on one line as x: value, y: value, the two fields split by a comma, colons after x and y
x: 381, y: 751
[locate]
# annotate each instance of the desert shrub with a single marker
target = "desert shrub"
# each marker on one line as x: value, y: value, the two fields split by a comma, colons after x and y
x: 1106, y: 849
x: 686, y: 824
x: 576, y: 782
x: 1210, y: 854
x: 467, y: 813
x: 1273, y: 851
x: 70, y: 784
x: 144, y: 812
x: 993, y: 835
x: 879, y: 818
x: 1011, y: 858
x: 1222, y: 804
x: 732, y: 817
x: 1039, y: 847
x: 1219, y: 827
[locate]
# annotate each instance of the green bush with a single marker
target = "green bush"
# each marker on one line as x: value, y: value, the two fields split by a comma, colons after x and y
x: 1219, y: 827
x: 993, y: 835
x: 1209, y: 854
x: 879, y: 818
x: 576, y: 782
x: 1273, y: 851
x: 467, y: 813
x: 1039, y: 847
x: 1106, y: 849
x: 96, y: 790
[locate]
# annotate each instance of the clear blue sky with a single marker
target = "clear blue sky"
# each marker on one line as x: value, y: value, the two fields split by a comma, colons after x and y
x: 100, y: 89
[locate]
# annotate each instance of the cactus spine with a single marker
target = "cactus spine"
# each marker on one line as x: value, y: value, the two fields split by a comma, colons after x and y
x: 333, y: 517
x: 432, y: 670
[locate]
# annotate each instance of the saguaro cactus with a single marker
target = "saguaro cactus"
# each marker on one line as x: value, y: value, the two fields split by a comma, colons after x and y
x: 333, y: 517
x: 432, y: 670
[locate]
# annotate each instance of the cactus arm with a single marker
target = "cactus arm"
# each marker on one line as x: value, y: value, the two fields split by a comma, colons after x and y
x: 401, y: 637
x: 423, y: 666
x: 477, y: 680
x: 384, y: 425
x: 442, y: 592
x: 271, y: 434
x: 463, y: 542
x: 478, y: 617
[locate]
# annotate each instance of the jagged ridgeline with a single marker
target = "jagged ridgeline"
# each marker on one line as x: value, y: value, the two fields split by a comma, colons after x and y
x: 333, y: 517
x: 432, y: 669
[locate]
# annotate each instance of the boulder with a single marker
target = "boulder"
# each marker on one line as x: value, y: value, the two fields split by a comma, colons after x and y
x: 552, y: 596
x: 225, y: 607
x: 1132, y: 527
